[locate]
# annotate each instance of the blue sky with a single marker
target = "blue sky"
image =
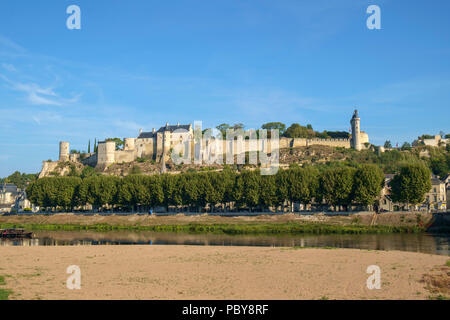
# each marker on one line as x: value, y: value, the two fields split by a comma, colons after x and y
x: 140, y: 63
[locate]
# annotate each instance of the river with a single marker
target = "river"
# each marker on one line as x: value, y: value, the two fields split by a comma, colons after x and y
x: 425, y: 243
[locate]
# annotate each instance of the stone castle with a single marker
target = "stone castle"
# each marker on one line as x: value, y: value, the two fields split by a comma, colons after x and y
x: 158, y: 145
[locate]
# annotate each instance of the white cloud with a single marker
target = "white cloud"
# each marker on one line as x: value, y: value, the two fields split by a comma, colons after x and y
x: 9, y: 44
x: 9, y: 67
x: 38, y: 95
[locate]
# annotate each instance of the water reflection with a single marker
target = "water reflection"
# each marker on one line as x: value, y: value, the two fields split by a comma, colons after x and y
x: 426, y: 243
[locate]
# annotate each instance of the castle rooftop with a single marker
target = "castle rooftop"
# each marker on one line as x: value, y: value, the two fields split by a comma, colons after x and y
x: 166, y: 128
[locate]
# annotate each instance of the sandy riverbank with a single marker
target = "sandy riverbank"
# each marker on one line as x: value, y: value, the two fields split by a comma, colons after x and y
x: 204, y: 272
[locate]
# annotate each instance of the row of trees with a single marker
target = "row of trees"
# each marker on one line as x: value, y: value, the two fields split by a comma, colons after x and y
x: 194, y: 191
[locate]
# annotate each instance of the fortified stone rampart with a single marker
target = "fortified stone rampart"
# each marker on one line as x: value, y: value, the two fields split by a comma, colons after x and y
x: 106, y: 153
x: 158, y: 145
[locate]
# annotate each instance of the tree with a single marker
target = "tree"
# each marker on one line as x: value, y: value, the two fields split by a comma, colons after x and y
x: 54, y: 192
x: 119, y: 142
x: 369, y: 180
x: 406, y: 146
x: 336, y: 185
x: 20, y: 180
x: 238, y: 126
x: 99, y: 190
x: 215, y: 188
x: 282, y: 182
x: 251, y: 191
x: 411, y: 184
x: 268, y: 191
x: 388, y: 144
x: 89, y: 146
x: 281, y: 127
x: 223, y: 128
x: 303, y: 184
x: 87, y: 172
x: 337, y: 134
x: 298, y: 131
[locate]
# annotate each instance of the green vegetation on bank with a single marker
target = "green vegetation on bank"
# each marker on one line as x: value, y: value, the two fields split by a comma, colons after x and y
x: 231, y: 229
x: 4, y: 293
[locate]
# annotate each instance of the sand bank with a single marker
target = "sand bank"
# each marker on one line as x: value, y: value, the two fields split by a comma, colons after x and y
x: 211, y: 272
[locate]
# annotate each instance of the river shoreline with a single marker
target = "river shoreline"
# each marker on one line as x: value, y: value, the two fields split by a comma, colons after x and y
x: 358, y: 223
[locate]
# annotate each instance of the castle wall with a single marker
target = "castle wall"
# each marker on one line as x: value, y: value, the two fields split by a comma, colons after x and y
x: 124, y: 156
x: 153, y: 145
x: 106, y: 153
x: 91, y: 160
x: 298, y: 142
x: 129, y: 144
x: 145, y: 147
x: 343, y: 143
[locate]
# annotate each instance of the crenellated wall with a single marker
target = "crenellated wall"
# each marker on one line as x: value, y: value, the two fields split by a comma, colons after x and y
x: 178, y: 138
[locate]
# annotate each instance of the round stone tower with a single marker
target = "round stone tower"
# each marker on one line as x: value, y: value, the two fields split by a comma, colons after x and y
x: 110, y: 147
x: 356, y: 131
x: 128, y: 143
x: 63, y: 151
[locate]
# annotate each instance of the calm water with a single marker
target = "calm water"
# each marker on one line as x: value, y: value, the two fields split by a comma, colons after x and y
x: 425, y: 243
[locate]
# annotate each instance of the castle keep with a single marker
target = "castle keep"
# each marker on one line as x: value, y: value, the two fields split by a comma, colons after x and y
x: 158, y: 145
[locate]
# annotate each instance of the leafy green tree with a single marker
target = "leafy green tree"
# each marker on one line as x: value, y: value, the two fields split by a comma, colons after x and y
x: 411, y: 184
x: 369, y: 180
x: 223, y: 128
x: 388, y: 144
x: 336, y: 185
x: 251, y: 191
x: 156, y: 190
x: 282, y: 181
x: 99, y: 190
x: 298, y: 131
x: 87, y: 172
x: 281, y: 127
x: 337, y: 134
x: 20, y: 180
x: 406, y: 146
x: 303, y: 184
x: 193, y: 190
x: 119, y: 142
x: 268, y: 191
x: 214, y: 188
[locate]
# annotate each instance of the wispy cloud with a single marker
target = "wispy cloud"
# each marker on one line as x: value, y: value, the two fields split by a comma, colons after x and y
x: 9, y: 67
x: 38, y: 95
x: 9, y: 44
